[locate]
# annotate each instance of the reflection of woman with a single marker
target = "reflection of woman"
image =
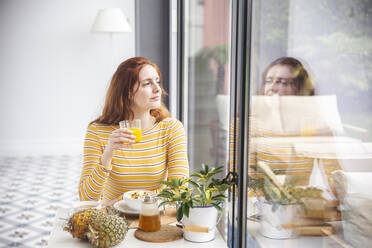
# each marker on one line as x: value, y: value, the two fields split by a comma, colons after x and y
x: 286, y: 76
x: 283, y: 77
x: 113, y: 163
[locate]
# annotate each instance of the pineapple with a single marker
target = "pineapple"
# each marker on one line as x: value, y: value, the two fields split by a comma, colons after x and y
x: 100, y: 228
x: 77, y: 225
x: 107, y: 230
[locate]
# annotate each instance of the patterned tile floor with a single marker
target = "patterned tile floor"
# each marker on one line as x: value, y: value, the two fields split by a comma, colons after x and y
x: 31, y: 190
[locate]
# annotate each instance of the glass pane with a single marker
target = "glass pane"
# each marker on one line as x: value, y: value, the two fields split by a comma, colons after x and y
x: 207, y: 45
x: 310, y: 145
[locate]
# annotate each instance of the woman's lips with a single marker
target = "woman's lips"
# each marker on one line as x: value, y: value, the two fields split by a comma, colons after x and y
x: 156, y: 98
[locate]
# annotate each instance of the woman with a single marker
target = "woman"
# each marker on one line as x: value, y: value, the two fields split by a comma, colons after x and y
x: 113, y: 163
x: 286, y: 76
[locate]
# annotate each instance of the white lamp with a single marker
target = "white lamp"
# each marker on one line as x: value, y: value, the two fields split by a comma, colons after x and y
x: 111, y: 20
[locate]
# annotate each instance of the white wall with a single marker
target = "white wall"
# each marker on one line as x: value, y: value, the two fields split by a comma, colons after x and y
x: 54, y: 72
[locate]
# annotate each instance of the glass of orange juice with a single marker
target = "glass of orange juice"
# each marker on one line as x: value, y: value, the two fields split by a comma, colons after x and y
x: 135, y: 126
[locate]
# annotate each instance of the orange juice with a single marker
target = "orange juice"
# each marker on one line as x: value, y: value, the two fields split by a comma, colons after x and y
x: 136, y: 132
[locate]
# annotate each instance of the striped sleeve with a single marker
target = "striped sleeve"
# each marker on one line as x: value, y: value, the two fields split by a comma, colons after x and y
x: 94, y: 174
x: 177, y: 162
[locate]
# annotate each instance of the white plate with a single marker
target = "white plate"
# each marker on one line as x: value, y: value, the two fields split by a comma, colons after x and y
x: 122, y: 207
x: 86, y: 204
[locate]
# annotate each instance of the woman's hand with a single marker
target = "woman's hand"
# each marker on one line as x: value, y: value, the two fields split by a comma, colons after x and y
x: 120, y: 138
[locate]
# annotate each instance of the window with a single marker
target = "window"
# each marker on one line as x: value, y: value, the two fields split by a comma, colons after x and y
x: 206, y: 84
x: 310, y: 150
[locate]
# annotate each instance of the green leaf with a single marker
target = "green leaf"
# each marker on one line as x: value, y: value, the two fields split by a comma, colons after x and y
x: 164, y: 203
x: 217, y: 207
x: 186, y: 210
x: 222, y: 187
x: 219, y: 197
x: 216, y: 170
x: 165, y: 194
x: 191, y: 204
x: 205, y: 169
x: 198, y: 201
x: 195, y: 184
x: 179, y: 213
x: 172, y: 184
x: 183, y: 195
x: 177, y: 198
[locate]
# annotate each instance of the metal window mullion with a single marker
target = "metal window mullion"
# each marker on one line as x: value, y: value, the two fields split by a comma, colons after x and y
x: 242, y: 14
x: 180, y: 61
x: 233, y: 114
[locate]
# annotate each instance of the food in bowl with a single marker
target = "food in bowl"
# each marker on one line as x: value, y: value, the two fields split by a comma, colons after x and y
x: 133, y: 198
x: 139, y: 194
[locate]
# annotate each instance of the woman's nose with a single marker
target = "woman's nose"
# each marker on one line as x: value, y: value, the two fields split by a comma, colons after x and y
x: 275, y: 87
x: 156, y: 87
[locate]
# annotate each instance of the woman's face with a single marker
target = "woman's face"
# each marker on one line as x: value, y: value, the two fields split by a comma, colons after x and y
x: 148, y: 94
x: 279, y: 81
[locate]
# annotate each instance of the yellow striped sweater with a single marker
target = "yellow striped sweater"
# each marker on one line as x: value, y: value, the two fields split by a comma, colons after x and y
x: 278, y: 152
x: 161, y: 155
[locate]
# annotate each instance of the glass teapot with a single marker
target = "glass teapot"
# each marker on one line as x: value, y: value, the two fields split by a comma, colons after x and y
x: 149, y: 219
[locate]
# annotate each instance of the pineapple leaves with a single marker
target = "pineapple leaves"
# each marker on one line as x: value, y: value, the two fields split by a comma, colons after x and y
x: 288, y: 194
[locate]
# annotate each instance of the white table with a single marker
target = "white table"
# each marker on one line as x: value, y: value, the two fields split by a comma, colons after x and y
x: 63, y: 239
x: 301, y: 241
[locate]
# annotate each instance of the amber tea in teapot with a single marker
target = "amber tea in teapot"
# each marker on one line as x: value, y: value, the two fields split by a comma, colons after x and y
x: 149, y: 219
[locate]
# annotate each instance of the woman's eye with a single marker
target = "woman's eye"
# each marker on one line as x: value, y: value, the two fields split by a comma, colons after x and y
x: 147, y: 83
x: 268, y: 81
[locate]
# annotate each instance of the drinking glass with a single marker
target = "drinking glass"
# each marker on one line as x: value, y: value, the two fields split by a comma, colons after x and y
x: 135, y: 126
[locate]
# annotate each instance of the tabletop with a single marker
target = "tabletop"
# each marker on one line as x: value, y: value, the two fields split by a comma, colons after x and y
x: 63, y: 239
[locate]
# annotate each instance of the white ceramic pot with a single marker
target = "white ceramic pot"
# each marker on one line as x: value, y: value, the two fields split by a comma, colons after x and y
x: 206, y: 217
x: 275, y: 223
x: 356, y: 213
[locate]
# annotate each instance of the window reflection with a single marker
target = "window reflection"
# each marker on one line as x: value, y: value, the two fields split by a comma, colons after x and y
x: 310, y: 149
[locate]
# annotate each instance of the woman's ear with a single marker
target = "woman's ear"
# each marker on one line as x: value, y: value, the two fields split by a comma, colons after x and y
x: 131, y: 95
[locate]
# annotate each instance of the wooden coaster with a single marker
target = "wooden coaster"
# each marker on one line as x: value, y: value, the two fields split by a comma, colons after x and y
x: 165, y: 234
x: 323, y: 230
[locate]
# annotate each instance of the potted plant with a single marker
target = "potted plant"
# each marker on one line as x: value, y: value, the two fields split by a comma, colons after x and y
x: 198, y: 200
x: 281, y: 205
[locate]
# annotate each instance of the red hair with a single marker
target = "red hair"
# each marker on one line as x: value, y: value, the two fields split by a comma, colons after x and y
x: 122, y: 86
